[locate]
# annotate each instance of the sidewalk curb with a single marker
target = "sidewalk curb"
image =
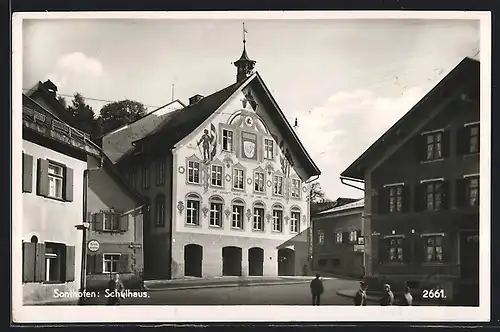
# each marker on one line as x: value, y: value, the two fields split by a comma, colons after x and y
x: 226, y: 286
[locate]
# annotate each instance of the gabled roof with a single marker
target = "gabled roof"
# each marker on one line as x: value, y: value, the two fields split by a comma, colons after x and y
x: 466, y: 72
x: 182, y: 122
x: 349, y: 206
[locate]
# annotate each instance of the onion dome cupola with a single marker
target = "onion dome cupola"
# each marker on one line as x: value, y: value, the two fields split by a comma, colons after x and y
x: 244, y: 64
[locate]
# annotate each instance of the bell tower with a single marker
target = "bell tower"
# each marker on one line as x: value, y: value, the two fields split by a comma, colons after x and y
x: 244, y: 64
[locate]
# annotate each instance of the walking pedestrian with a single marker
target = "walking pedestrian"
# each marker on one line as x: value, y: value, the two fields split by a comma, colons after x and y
x: 388, y: 297
x: 407, y: 299
x: 360, y: 298
x: 316, y: 289
x: 114, y: 290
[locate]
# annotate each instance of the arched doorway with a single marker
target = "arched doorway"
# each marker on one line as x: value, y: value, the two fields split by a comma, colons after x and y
x: 255, y: 261
x: 286, y: 262
x: 193, y: 260
x: 231, y: 261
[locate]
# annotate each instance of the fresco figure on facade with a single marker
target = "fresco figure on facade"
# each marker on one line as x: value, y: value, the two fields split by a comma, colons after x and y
x: 208, y: 143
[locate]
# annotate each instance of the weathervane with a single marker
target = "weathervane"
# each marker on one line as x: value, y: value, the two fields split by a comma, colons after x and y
x: 244, y: 33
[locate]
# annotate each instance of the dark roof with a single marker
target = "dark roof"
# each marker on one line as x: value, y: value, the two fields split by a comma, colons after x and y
x: 466, y: 72
x: 178, y: 124
x: 244, y: 57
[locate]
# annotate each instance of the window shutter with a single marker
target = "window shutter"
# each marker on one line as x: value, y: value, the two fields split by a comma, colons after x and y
x: 90, y: 263
x: 447, y: 248
x: 40, y: 262
x: 445, y: 196
x: 98, y: 263
x: 123, y: 264
x: 29, y: 253
x: 461, y: 193
x: 419, y: 249
x: 345, y: 237
x: 461, y: 140
x: 420, y: 147
x: 70, y: 263
x: 124, y: 223
x: 445, y: 145
x: 43, y: 177
x: 99, y: 219
x: 406, y: 198
x: 383, y: 200
x: 27, y: 173
x: 383, y: 251
x: 68, y: 186
x: 406, y: 250
x: 419, y: 198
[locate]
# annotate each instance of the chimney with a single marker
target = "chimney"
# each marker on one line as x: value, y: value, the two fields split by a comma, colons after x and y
x: 194, y: 99
x: 51, y: 87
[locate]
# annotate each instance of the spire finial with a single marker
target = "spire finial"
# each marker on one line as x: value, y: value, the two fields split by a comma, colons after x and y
x: 244, y: 34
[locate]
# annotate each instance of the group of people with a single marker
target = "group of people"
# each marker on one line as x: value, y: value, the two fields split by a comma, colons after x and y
x: 360, y: 298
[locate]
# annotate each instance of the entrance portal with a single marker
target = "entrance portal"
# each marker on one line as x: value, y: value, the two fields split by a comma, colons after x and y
x: 286, y: 262
x: 193, y: 260
x: 255, y: 261
x: 231, y: 261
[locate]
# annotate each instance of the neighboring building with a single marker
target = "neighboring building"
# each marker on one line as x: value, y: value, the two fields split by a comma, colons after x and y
x: 119, y: 141
x: 338, y: 241
x: 422, y: 191
x: 54, y: 159
x: 226, y: 178
x: 115, y: 241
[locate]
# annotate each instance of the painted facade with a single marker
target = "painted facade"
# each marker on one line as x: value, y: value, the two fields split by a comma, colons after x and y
x: 236, y: 193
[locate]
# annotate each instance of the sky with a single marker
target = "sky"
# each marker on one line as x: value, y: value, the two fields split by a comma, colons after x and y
x: 346, y: 81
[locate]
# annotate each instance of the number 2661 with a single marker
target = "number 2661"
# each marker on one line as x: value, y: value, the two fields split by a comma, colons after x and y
x: 433, y: 294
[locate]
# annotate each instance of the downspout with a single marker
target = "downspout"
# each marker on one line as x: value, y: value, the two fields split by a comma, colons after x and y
x: 85, y: 227
x: 172, y: 214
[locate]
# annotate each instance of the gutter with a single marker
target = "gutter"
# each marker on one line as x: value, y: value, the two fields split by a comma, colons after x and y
x: 343, y: 178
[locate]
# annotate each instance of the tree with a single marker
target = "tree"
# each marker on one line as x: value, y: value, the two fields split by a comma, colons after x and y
x: 119, y: 113
x: 84, y: 114
x: 62, y: 101
x: 316, y: 194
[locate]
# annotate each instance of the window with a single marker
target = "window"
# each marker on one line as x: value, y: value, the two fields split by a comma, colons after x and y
x: 473, y: 191
x: 434, y: 146
x: 321, y: 237
x: 193, y: 211
x: 259, y: 185
x: 395, y: 248
x: 474, y: 139
x: 160, y: 211
x: 216, y: 212
x: 54, y: 262
x: 353, y: 236
x: 268, y: 148
x: 227, y: 140
x: 56, y: 180
x: 216, y: 175
x: 145, y: 177
x: 111, y: 222
x: 237, y: 215
x: 277, y: 219
x: 295, y: 222
x: 434, y: 248
x: 238, y: 179
x: 278, y: 185
x: 434, y: 195
x: 396, y: 199
x: 258, y: 217
x: 110, y: 263
x: 160, y: 173
x: 193, y: 172
x: 338, y: 237
x: 295, y: 188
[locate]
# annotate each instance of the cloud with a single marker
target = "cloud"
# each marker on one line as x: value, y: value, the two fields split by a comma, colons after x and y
x: 336, y: 133
x: 76, y: 72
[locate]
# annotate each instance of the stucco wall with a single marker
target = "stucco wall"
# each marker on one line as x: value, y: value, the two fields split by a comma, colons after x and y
x: 52, y: 220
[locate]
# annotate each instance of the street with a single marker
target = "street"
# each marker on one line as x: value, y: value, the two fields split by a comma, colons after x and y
x: 286, y: 294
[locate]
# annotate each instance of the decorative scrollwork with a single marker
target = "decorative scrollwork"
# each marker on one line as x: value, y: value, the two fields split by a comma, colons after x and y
x: 180, y: 206
x: 227, y: 212
x: 268, y: 217
x: 205, y: 210
x: 181, y: 169
x: 249, y: 214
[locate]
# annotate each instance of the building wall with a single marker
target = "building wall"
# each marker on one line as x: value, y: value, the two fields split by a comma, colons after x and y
x: 233, y: 115
x: 52, y: 220
x: 403, y: 166
x: 333, y: 257
x: 105, y: 194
